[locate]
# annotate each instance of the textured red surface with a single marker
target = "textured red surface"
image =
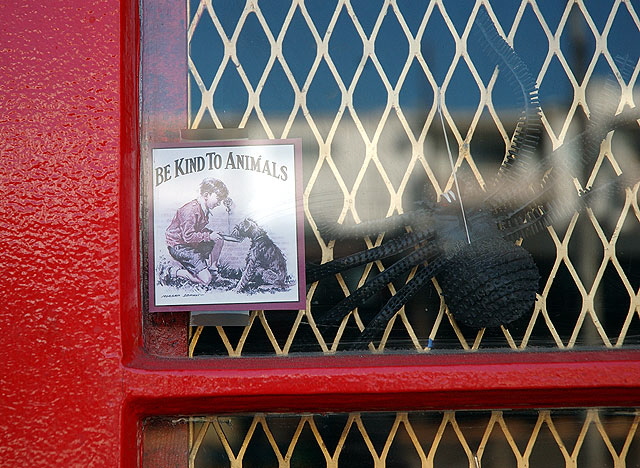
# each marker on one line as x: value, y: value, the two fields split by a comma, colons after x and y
x: 59, y: 137
x: 74, y: 380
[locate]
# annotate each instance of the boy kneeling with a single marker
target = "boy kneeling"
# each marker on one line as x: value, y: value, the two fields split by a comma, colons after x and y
x: 190, y: 242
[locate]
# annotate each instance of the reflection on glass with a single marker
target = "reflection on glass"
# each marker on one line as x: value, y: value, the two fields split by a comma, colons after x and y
x: 589, y: 438
x: 358, y: 82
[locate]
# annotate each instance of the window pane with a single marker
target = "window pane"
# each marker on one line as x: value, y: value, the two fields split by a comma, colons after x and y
x: 360, y: 82
x: 592, y: 438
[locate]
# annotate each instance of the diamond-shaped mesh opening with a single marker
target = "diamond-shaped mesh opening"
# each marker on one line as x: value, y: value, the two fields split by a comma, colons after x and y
x: 205, y: 49
x: 231, y: 95
x: 577, y: 42
x: 437, y: 45
x: 345, y: 56
x: 297, y: 42
x: 625, y: 25
x: 360, y: 83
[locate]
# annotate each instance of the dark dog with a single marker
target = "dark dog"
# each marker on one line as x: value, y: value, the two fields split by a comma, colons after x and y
x: 265, y: 260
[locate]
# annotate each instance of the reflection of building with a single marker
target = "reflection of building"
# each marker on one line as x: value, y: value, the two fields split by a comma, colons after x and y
x: 386, y: 177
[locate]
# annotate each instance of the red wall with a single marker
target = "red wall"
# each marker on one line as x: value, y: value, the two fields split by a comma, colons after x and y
x: 60, y: 104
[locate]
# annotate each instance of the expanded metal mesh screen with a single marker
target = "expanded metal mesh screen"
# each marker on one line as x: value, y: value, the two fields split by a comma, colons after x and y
x: 358, y: 81
x: 576, y: 438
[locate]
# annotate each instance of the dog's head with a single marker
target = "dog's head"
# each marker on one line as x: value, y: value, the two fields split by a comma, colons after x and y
x: 246, y: 228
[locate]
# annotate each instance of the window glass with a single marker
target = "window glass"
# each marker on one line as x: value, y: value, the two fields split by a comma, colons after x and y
x: 589, y: 437
x: 378, y: 92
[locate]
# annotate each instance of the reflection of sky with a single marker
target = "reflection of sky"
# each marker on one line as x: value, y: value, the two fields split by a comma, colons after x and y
x: 577, y: 43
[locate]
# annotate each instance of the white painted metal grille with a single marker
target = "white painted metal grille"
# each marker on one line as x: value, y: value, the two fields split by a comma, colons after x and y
x: 569, y: 438
x: 357, y: 81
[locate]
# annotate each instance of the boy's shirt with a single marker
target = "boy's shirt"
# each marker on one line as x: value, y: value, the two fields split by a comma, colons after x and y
x: 189, y: 225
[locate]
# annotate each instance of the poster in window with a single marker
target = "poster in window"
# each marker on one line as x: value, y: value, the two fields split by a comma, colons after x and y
x: 226, y: 227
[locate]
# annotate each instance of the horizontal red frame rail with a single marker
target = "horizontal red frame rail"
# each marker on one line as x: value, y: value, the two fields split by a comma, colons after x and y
x: 164, y: 387
x: 384, y: 382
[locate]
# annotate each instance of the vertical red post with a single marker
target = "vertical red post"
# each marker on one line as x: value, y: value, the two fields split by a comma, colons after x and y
x: 61, y: 144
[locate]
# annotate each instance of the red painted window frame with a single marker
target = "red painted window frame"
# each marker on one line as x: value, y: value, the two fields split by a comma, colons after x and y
x: 362, y: 382
x: 83, y: 367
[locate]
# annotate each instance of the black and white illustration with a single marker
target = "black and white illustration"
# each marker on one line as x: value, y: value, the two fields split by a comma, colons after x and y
x: 226, y: 227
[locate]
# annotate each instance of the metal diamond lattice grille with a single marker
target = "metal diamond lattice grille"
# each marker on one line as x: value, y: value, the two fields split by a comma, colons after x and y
x: 572, y: 438
x: 358, y: 81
